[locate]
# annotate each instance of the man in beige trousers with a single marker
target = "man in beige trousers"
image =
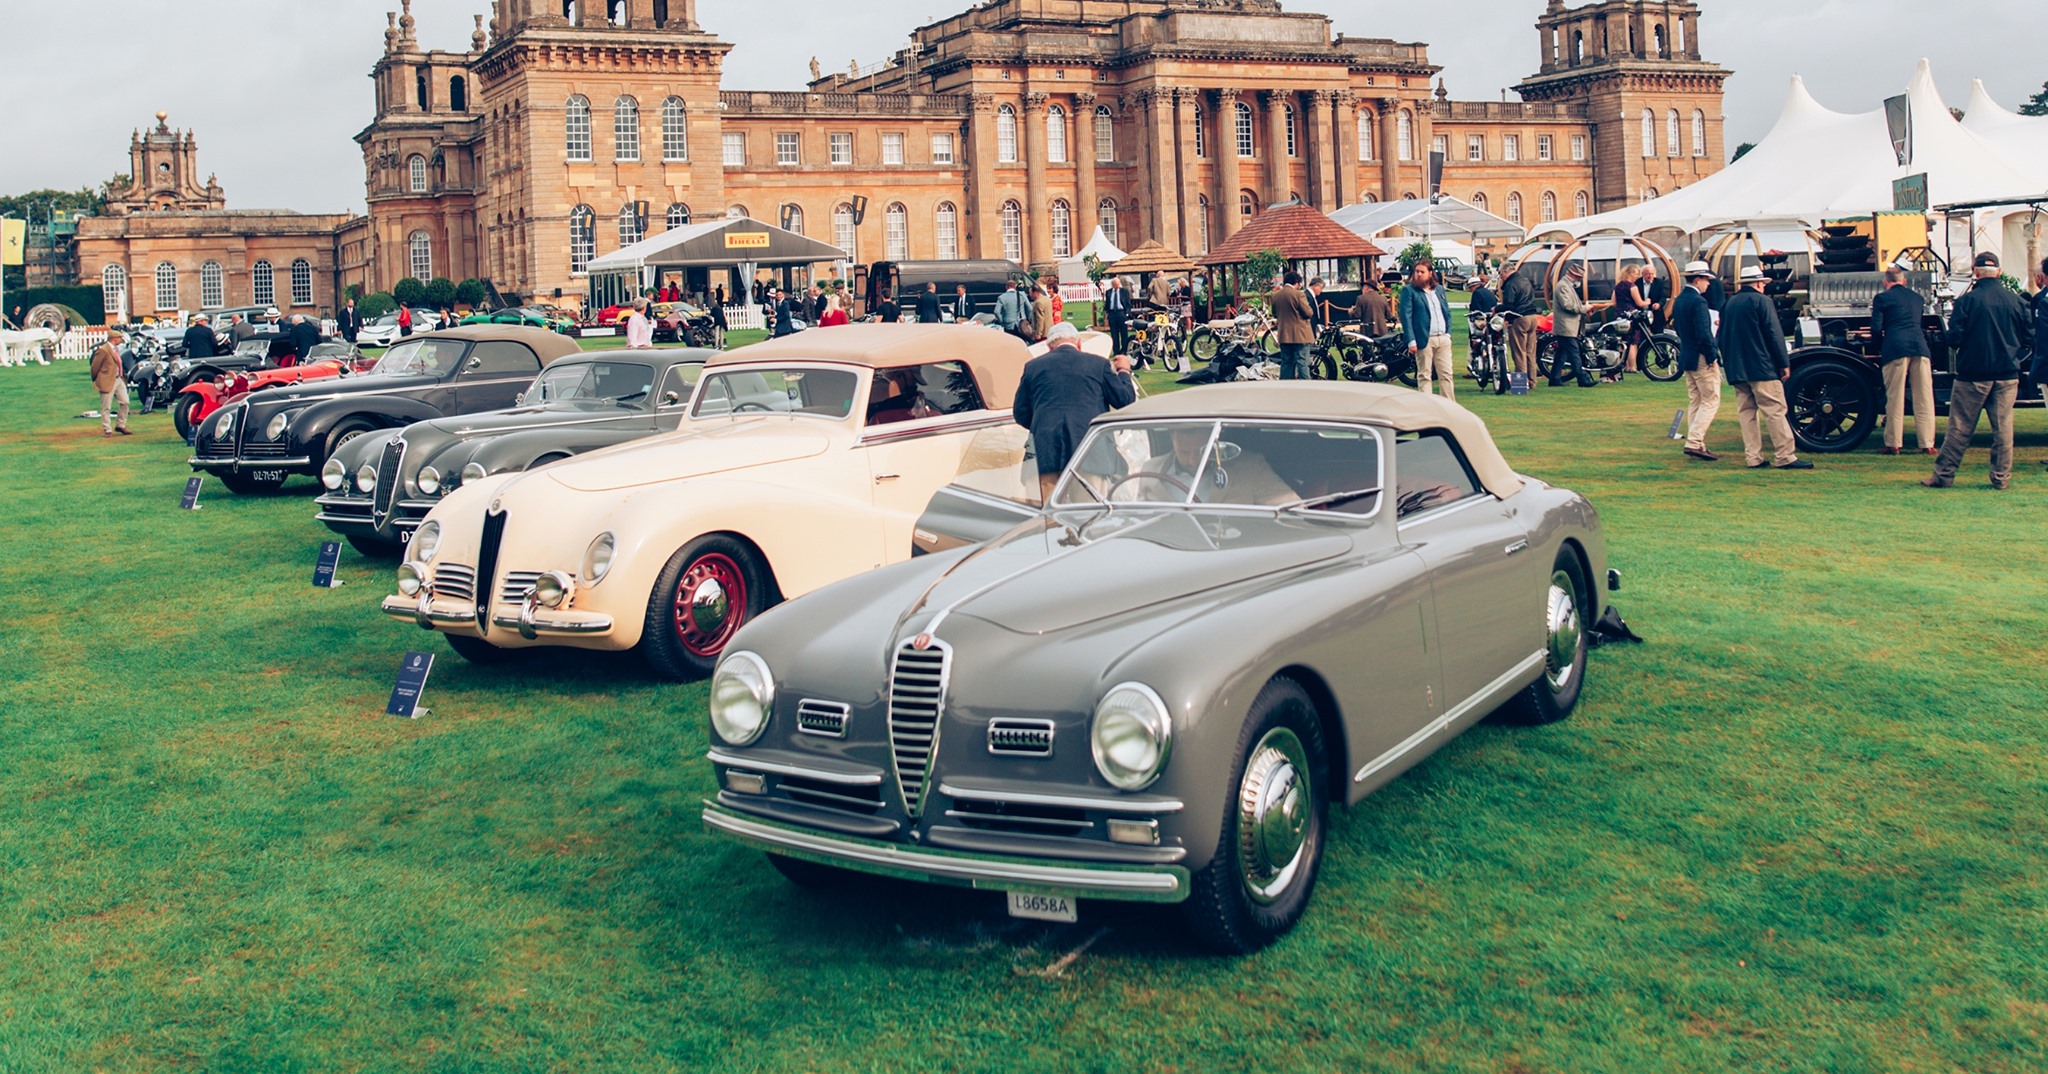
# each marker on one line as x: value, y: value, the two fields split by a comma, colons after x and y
x: 1753, y: 352
x: 107, y: 380
x: 1699, y: 359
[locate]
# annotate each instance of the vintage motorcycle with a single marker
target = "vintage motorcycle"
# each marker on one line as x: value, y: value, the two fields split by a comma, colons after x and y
x: 1157, y: 338
x: 1254, y: 328
x: 1234, y: 361
x: 1351, y: 354
x: 151, y: 376
x: 1490, y: 362
x: 1603, y: 350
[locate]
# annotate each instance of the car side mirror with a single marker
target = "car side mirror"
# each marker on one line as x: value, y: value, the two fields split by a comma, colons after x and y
x: 473, y: 364
x: 519, y: 400
x: 670, y: 398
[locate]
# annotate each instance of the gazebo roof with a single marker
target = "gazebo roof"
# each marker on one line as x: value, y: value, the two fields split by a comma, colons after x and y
x: 1153, y: 256
x: 1298, y: 231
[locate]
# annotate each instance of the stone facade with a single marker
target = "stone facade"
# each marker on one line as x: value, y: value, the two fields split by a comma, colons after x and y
x: 1014, y: 129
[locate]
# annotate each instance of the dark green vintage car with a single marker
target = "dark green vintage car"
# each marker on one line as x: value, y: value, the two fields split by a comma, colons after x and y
x: 1243, y: 603
x: 379, y: 488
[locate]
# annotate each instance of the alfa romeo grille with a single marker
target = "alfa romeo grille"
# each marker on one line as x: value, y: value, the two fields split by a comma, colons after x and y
x: 517, y: 585
x: 917, y: 696
x: 487, y: 563
x: 265, y: 449
x: 387, y: 476
x: 1020, y: 738
x: 827, y: 718
x: 455, y: 581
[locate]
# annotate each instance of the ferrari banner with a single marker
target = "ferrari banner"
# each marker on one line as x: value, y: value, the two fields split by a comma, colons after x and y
x: 13, y: 238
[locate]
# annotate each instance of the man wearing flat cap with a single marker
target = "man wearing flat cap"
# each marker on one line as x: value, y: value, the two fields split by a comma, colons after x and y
x: 1699, y: 359
x: 1753, y: 351
x: 1991, y: 332
x: 1567, y: 314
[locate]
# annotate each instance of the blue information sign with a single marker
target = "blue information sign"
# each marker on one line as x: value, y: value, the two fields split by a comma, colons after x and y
x: 323, y: 571
x: 1678, y: 425
x: 191, y: 500
x: 411, y: 686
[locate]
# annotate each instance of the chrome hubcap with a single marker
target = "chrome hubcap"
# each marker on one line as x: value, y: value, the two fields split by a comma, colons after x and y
x: 708, y: 606
x: 1276, y: 806
x: 1563, y: 630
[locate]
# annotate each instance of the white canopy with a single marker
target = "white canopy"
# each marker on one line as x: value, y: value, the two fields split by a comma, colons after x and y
x: 1817, y: 163
x: 717, y: 243
x: 2021, y: 140
x: 1075, y: 269
x: 1444, y: 217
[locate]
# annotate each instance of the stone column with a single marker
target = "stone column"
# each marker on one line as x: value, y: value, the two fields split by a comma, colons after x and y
x: 1190, y: 187
x: 1347, y: 148
x: 1084, y: 165
x: 1390, y: 148
x: 1160, y: 185
x: 1227, y: 164
x: 1322, y: 121
x: 1278, y: 179
x: 983, y: 208
x: 1425, y: 143
x: 1037, y: 206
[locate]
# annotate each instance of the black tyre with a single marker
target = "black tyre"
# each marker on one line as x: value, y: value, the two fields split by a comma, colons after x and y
x: 1556, y: 692
x: 246, y: 485
x: 1203, y: 345
x: 480, y: 652
x: 182, y: 409
x: 342, y: 433
x: 1322, y: 364
x: 373, y: 548
x: 811, y: 875
x: 711, y: 587
x: 1832, y: 405
x: 1270, y: 344
x: 1258, y: 883
x: 1546, y: 356
x: 1660, y: 361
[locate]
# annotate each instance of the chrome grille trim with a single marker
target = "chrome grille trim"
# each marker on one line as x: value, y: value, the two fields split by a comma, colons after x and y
x: 516, y: 586
x: 1024, y: 819
x: 455, y: 581
x: 827, y: 718
x: 262, y: 449
x: 386, y: 492
x: 864, y: 800
x: 1012, y: 737
x: 917, y: 699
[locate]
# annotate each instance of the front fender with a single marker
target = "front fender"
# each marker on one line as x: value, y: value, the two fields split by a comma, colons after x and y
x: 310, y: 428
x: 210, y: 397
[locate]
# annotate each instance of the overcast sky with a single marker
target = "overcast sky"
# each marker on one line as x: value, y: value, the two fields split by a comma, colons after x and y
x: 276, y: 89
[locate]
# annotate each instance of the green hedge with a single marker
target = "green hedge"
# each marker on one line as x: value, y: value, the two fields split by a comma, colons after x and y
x: 88, y: 301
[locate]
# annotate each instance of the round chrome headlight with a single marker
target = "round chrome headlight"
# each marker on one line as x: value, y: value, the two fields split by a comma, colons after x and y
x: 474, y: 472
x: 551, y: 590
x: 275, y: 430
x: 334, y: 474
x: 224, y: 429
x: 366, y: 478
x: 411, y: 576
x: 1131, y: 736
x: 1499, y: 324
x: 426, y: 541
x: 429, y: 480
x: 597, y: 559
x: 742, y: 694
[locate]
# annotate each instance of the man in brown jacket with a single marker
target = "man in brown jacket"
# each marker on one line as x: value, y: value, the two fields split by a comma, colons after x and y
x: 1296, y: 321
x: 107, y: 380
x: 1372, y: 311
x: 1041, y: 312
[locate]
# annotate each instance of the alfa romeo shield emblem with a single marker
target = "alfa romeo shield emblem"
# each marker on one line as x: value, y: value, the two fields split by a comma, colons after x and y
x: 921, y: 642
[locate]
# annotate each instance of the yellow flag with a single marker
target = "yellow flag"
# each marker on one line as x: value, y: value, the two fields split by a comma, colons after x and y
x: 13, y: 237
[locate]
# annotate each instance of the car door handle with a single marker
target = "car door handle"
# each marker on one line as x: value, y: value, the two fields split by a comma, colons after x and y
x: 879, y: 478
x: 1516, y: 547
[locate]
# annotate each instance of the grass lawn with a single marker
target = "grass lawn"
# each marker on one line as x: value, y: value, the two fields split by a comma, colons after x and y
x: 1799, y: 830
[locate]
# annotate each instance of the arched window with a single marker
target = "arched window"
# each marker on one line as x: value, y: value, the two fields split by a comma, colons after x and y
x: 212, y: 292
x: 1369, y: 196
x: 1581, y: 204
x: 1578, y: 45
x: 576, y: 127
x: 793, y: 218
x: 737, y: 212
x: 1515, y: 208
x: 1650, y: 194
x: 114, y: 292
x: 1202, y: 223
x: 1246, y: 207
x: 1246, y: 145
x: 1547, y: 208
x: 419, y: 90
x: 1649, y: 133
x: 1006, y: 135
x: 1404, y: 133
x: 626, y: 129
x: 302, y: 282
x: 1293, y: 139
x: 1367, y: 123
x: 420, y: 252
x: 1478, y: 200
x: 582, y: 237
x: 1013, y: 231
x: 417, y: 167
x: 678, y: 215
x: 1056, y: 134
x: 1105, y: 133
x: 842, y: 229
x: 1657, y: 35
x: 262, y: 284
x: 1105, y: 217
x: 675, y: 130
x: 896, y: 232
x: 946, y: 229
x: 1062, y: 228
x: 1201, y: 134
x: 1699, y: 133
x: 629, y: 225
x: 458, y: 94
x: 1671, y: 146
x: 166, y: 286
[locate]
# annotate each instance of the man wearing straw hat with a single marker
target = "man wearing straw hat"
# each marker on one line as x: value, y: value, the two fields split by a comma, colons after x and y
x: 1753, y: 351
x: 1699, y: 360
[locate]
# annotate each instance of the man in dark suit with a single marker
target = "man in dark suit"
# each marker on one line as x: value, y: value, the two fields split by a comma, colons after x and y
x: 817, y: 305
x: 1116, y: 308
x: 785, y: 314
x: 963, y: 307
x: 305, y: 336
x: 1895, y: 317
x: 1992, y: 331
x: 1753, y: 350
x: 1060, y: 392
x: 928, y: 309
x: 348, y: 322
x: 1699, y: 358
x: 199, y: 338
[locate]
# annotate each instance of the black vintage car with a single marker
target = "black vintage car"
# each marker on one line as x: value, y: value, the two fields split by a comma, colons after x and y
x: 379, y: 487
x: 254, y: 445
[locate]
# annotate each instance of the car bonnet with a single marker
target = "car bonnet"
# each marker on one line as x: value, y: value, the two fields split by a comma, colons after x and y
x: 744, y: 444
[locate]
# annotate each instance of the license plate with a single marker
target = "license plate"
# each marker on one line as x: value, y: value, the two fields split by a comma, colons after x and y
x: 1043, y: 907
x: 267, y: 475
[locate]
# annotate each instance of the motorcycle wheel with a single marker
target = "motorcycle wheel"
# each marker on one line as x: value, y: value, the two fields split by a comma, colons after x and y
x: 1408, y: 377
x: 1546, y: 356
x: 1322, y: 364
x: 181, y: 415
x: 1203, y: 345
x: 1661, y: 363
x: 1270, y: 345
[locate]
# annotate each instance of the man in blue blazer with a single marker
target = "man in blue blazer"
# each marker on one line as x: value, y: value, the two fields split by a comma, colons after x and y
x: 1699, y: 358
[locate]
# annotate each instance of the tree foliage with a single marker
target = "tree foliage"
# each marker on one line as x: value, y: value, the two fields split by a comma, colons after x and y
x: 440, y: 292
x: 1261, y: 268
x: 2037, y: 105
x: 1742, y: 151
x: 38, y: 202
x: 376, y: 304
x: 471, y: 293
x: 1414, y: 253
x: 409, y: 292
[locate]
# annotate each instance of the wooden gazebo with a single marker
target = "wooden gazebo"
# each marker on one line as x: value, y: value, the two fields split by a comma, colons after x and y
x: 1302, y: 234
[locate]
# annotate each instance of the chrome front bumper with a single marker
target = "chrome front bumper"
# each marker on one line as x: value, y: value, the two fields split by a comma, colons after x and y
x: 216, y: 463
x: 531, y: 621
x: 1127, y: 883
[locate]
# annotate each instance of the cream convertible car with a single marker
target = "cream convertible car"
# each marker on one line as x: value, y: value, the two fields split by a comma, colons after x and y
x: 808, y: 459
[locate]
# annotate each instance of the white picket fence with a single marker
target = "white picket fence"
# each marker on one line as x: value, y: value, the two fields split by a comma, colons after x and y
x: 743, y: 317
x: 21, y: 348
x: 79, y: 343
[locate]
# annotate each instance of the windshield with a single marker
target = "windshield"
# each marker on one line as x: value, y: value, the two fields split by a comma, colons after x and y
x: 824, y: 393
x: 1322, y: 467
x: 253, y: 346
x: 420, y: 357
x: 618, y: 382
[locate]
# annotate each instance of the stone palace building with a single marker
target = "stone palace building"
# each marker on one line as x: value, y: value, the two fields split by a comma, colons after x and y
x: 569, y: 128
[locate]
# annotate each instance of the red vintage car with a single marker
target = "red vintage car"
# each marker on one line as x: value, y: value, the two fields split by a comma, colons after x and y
x: 197, y: 400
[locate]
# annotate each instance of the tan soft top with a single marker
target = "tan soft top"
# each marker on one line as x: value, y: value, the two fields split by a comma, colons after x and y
x: 1401, y: 409
x: 549, y: 345
x: 996, y: 357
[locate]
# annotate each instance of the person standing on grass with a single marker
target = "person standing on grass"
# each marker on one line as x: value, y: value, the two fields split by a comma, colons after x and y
x: 1061, y: 391
x: 639, y: 327
x: 1518, y: 296
x: 1013, y: 311
x: 2040, y: 307
x: 106, y: 380
x: 1371, y: 310
x: 1699, y: 360
x: 199, y: 337
x: 1294, y: 319
x: 785, y: 314
x: 1426, y: 320
x: 1116, y: 309
x: 1753, y: 351
x: 349, y: 321
x: 928, y: 309
x: 1041, y: 313
x: 963, y: 307
x: 1570, y: 313
x: 1991, y: 330
x: 1895, y: 318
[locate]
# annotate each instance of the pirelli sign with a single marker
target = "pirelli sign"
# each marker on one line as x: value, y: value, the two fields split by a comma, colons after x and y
x: 746, y: 240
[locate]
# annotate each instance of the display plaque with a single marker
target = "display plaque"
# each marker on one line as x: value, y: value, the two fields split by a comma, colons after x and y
x: 191, y: 500
x: 411, y: 687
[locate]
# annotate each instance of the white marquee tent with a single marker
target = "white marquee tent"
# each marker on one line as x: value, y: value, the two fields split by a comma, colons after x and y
x: 1074, y: 270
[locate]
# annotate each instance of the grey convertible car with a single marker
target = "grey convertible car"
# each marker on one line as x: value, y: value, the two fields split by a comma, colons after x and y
x: 379, y: 487
x: 1242, y: 603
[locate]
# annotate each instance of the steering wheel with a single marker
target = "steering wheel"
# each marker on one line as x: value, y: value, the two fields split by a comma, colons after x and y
x: 738, y: 407
x: 1128, y: 478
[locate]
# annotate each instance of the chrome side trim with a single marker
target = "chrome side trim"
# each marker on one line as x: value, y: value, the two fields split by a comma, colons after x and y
x: 844, y: 779
x: 1530, y: 663
x: 1434, y: 513
x: 1065, y: 801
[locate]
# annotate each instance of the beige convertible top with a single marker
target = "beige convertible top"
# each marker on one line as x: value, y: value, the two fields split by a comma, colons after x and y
x: 996, y: 357
x: 1401, y: 409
